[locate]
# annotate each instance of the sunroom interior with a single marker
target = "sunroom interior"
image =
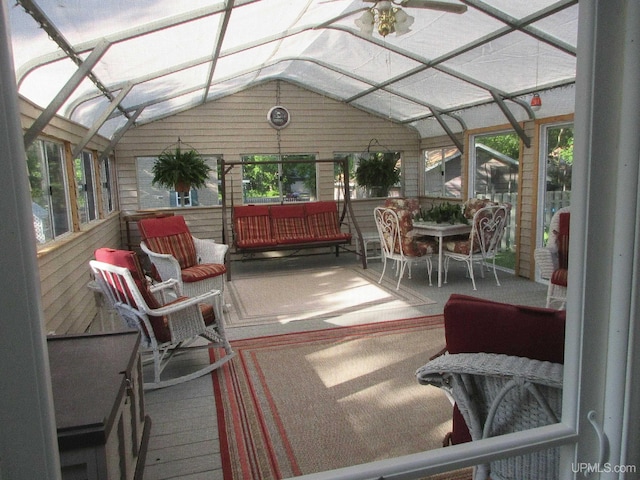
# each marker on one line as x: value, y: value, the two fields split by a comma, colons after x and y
x: 104, y: 90
x: 475, y: 97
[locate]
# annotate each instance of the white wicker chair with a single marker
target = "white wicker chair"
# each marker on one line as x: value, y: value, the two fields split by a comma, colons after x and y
x: 548, y: 261
x: 197, y: 264
x: 391, y: 245
x: 483, y: 243
x: 168, y: 322
x: 499, y: 394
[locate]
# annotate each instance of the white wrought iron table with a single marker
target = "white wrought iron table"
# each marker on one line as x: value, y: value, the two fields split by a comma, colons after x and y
x: 440, y: 230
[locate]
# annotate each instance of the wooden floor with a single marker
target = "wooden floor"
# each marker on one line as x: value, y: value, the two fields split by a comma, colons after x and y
x: 184, y: 436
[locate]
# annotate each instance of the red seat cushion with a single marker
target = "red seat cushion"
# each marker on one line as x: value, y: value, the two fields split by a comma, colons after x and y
x: 252, y: 226
x: 130, y: 261
x: 202, y: 272
x: 169, y: 235
x: 477, y: 325
x: 322, y: 221
x: 289, y: 224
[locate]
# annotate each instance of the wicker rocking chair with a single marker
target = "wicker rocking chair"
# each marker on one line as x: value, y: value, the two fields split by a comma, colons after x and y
x: 168, y: 322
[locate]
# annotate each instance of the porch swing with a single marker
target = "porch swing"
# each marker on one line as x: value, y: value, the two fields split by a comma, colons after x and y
x: 295, y: 226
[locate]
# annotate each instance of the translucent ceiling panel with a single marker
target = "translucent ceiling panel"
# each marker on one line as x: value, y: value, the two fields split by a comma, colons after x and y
x: 170, y: 107
x: 159, y: 52
x: 563, y: 25
x: 430, y: 127
x: 324, y: 80
x: 440, y: 90
x: 44, y: 83
x: 511, y: 64
x: 167, y: 86
x: 361, y: 57
x: 112, y: 126
x: 255, y: 22
x: 430, y: 36
x: 489, y: 115
x: 519, y: 10
x: 388, y: 105
x: 84, y: 20
x: 28, y: 40
x: 87, y: 112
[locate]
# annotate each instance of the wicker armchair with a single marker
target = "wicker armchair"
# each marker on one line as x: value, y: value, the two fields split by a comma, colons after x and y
x: 499, y: 394
x: 197, y: 264
x: 553, y: 260
x: 168, y: 322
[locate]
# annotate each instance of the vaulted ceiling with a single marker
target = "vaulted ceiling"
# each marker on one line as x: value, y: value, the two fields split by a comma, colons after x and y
x: 112, y: 64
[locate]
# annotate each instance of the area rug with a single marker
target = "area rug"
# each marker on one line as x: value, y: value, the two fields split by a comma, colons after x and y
x: 307, y: 402
x: 314, y: 294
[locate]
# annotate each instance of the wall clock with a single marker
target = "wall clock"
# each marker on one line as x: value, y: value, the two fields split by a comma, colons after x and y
x: 278, y: 117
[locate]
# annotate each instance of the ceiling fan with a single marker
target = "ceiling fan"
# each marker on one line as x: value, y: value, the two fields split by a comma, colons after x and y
x: 429, y: 4
x: 388, y: 17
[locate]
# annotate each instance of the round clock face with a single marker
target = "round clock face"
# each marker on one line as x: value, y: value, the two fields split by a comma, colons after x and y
x: 278, y: 117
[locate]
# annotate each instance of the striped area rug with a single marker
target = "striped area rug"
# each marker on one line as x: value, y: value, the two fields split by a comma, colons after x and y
x: 307, y: 402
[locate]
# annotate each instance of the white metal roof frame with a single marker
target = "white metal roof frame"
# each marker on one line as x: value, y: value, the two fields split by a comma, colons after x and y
x: 111, y: 65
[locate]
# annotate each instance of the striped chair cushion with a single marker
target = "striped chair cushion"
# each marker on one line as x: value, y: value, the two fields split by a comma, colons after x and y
x: 252, y: 226
x: 202, y: 272
x: 180, y: 245
x: 289, y: 224
x: 322, y: 221
x: 169, y: 235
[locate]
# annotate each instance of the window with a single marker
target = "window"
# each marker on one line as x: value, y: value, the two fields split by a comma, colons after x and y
x: 84, y: 174
x: 494, y: 168
x: 443, y: 172
x: 383, y: 162
x: 49, y: 199
x: 556, y: 166
x: 278, y: 178
x: 108, y: 187
x: 154, y: 196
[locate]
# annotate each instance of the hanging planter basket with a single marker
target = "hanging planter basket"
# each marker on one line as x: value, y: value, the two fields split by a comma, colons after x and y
x: 180, y: 169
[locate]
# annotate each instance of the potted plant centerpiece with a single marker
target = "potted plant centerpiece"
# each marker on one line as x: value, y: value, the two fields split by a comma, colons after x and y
x: 377, y: 172
x: 180, y: 170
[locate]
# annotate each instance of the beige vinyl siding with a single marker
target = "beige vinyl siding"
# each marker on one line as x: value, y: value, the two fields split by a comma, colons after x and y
x: 68, y: 304
x: 237, y: 125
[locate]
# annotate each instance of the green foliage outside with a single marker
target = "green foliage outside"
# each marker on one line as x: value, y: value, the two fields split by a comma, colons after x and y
x: 261, y: 179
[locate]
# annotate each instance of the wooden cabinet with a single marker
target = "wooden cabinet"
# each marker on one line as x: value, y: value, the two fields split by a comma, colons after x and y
x: 103, y: 431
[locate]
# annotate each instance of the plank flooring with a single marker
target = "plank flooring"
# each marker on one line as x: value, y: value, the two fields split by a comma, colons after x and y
x: 184, y: 440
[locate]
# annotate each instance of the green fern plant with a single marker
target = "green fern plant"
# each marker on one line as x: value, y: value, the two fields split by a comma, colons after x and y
x: 180, y: 170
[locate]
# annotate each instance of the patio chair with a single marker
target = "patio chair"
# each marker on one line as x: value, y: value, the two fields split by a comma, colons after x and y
x: 553, y: 259
x: 169, y: 323
x: 398, y: 244
x: 197, y: 264
x: 483, y: 243
x: 499, y: 394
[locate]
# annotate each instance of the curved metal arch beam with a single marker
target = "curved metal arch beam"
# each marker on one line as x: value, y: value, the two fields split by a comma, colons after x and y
x: 124, y: 35
x: 324, y: 93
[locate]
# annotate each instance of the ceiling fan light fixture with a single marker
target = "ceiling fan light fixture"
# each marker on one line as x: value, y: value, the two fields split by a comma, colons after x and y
x: 366, y: 22
x: 403, y: 22
x: 385, y: 18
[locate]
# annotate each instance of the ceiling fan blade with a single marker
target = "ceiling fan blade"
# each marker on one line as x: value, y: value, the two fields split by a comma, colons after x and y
x: 434, y: 5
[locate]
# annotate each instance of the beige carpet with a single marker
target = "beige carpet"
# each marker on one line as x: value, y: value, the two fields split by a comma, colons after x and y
x: 314, y: 401
x: 315, y: 294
